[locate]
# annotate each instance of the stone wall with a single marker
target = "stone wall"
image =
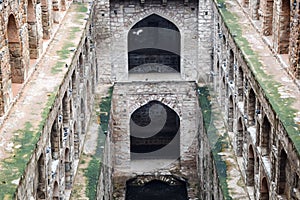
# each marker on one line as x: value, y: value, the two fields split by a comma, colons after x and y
x: 53, y: 165
x: 24, y: 25
x: 261, y: 141
x: 113, y: 28
x: 182, y: 98
x: 279, y: 19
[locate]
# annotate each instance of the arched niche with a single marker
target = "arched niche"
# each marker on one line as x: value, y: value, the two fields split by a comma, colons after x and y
x: 154, y: 46
x: 154, y: 132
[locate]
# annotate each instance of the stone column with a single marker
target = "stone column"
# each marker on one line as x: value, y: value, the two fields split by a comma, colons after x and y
x: 267, y: 17
x: 103, y: 38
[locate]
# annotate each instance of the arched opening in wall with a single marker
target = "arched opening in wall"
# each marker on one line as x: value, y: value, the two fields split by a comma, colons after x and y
x: 66, y: 110
x: 217, y: 73
x: 15, y: 55
x: 265, y: 136
x: 283, y: 162
x: 283, y: 29
x: 231, y: 67
x: 264, y: 190
x: 154, y: 132
x: 257, y: 165
x: 82, y: 116
x: 41, y: 187
x: 33, y: 39
x: 224, y: 49
x: 240, y: 137
x: 230, y: 114
x: 81, y: 68
x: 55, y: 191
x: 88, y: 96
x: 154, y: 46
x: 166, y: 187
x: 54, y: 140
x: 68, y: 163
x: 76, y: 141
x: 45, y: 19
x: 74, y: 83
x: 223, y: 93
x: 250, y: 166
x: 251, y: 107
x: 86, y: 49
x: 240, y: 83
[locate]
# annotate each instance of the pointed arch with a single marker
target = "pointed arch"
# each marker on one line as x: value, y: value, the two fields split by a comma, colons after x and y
x: 265, y: 136
x: 240, y: 137
x: 15, y: 51
x: 154, y: 46
x: 264, y: 189
x: 230, y: 113
x: 41, y: 187
x: 283, y: 162
x: 231, y: 66
x: 250, y: 166
x: 55, y: 191
x: 154, y: 132
x: 251, y: 107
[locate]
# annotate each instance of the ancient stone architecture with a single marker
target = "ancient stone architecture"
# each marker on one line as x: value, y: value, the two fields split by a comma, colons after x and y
x: 205, y: 99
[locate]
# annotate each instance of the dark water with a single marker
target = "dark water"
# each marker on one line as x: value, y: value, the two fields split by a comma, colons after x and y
x: 156, y: 190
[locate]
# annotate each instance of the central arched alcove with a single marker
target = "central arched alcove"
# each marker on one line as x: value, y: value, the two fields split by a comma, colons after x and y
x: 156, y: 189
x: 154, y: 132
x: 154, y: 46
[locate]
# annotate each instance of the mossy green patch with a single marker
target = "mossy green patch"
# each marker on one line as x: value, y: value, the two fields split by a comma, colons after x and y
x: 282, y: 106
x: 64, y: 53
x: 93, y: 171
x: 80, y: 7
x: 13, y: 167
x: 57, y: 67
x: 217, y: 142
x: 105, y: 110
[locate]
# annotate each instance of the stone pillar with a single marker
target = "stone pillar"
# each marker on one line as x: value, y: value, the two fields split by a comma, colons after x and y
x: 294, y: 46
x: 102, y: 36
x: 267, y: 17
x: 254, y: 6
x: 281, y: 27
x: 205, y: 33
x: 46, y: 20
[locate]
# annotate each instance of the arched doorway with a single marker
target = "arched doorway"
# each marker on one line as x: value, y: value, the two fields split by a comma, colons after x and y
x: 283, y: 162
x: 154, y: 132
x: 250, y: 166
x: 55, y: 191
x: 251, y: 107
x: 41, y: 175
x: 154, y: 46
x: 265, y: 136
x: 264, y: 190
x: 240, y: 137
x: 15, y: 53
x: 158, y: 189
x: 230, y: 114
